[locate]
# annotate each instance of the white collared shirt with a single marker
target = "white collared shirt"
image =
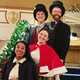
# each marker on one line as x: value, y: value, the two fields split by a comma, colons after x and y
x: 40, y: 26
x: 15, y: 70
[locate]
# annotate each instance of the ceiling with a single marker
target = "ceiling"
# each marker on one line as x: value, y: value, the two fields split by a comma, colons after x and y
x: 24, y: 4
x: 29, y: 4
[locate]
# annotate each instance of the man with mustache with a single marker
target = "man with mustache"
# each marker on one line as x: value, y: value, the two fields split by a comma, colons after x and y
x: 59, y: 32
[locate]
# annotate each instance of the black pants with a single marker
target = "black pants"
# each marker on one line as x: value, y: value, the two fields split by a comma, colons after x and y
x: 45, y: 78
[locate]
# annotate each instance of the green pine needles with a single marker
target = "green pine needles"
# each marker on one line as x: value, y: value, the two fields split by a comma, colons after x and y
x: 17, y: 35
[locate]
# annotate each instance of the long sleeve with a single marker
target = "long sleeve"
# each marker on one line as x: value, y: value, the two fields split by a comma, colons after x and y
x: 59, y: 38
x: 28, y: 34
x: 50, y: 64
x: 49, y: 59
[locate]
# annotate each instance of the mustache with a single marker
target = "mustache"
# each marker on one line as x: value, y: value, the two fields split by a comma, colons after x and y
x: 56, y: 15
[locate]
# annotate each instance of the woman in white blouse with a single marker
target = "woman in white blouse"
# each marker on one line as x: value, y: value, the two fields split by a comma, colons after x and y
x: 21, y: 66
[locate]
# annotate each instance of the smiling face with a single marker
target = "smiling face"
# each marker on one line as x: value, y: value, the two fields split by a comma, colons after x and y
x: 42, y: 37
x: 56, y: 13
x: 20, y: 50
x: 40, y: 16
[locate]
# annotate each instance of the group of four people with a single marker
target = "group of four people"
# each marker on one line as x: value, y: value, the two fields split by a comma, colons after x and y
x: 46, y: 47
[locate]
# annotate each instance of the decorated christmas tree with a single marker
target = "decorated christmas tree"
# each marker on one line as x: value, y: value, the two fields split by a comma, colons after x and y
x: 17, y: 35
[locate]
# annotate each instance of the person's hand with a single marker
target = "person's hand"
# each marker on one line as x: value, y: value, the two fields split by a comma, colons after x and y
x: 62, y: 60
x: 13, y: 78
x: 0, y: 69
x: 35, y: 60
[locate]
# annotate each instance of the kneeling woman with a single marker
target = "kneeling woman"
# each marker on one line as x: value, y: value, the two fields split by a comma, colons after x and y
x: 20, y: 67
x: 49, y: 63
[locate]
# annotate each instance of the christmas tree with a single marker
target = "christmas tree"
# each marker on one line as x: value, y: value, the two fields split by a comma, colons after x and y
x: 17, y: 35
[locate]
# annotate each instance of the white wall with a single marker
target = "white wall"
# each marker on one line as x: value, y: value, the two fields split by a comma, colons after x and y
x: 9, y: 18
x: 6, y: 30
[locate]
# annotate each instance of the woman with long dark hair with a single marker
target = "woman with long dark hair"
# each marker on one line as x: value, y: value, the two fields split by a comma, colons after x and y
x: 20, y: 66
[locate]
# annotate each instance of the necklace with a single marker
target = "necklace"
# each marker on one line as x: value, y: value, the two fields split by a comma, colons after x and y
x: 52, y: 25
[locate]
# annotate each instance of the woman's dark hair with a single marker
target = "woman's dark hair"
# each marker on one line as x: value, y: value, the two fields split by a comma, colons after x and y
x: 27, y: 54
x: 40, y: 7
